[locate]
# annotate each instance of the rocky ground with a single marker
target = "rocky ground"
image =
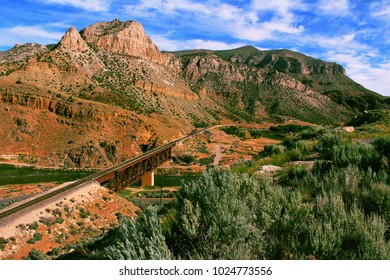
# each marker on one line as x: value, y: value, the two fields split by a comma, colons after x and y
x: 60, y: 223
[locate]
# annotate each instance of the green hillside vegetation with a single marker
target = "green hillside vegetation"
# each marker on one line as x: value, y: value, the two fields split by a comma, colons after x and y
x: 377, y: 117
x: 347, y: 97
x: 337, y: 209
x: 246, y: 51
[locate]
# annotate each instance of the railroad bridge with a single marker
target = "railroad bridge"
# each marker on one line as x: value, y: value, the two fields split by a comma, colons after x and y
x: 115, y: 178
x: 138, y: 168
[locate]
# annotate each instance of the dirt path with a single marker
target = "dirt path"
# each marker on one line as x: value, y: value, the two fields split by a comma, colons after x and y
x: 218, y: 155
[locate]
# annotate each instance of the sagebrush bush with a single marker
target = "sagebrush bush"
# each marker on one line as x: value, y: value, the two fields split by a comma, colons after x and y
x: 270, y: 150
x: 139, y: 239
x: 338, y: 209
x: 326, y: 143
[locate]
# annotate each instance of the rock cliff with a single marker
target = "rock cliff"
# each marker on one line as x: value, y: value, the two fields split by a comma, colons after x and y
x: 125, y: 38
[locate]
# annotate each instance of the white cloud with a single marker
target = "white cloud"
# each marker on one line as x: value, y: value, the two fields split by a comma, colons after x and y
x: 243, y: 22
x: 344, y: 42
x: 166, y: 44
x: 357, y: 58
x: 283, y: 27
x: 149, y: 7
x: 362, y: 71
x: 281, y: 7
x: 381, y: 9
x: 339, y: 7
x: 88, y: 5
x: 27, y: 34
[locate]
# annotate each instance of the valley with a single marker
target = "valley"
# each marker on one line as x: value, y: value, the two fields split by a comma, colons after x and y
x: 106, y: 94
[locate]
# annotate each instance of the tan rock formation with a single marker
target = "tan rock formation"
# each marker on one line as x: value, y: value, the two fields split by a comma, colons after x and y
x: 73, y: 41
x: 127, y: 38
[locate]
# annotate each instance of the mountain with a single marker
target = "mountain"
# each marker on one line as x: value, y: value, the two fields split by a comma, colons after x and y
x: 279, y: 82
x: 99, y: 94
x: 22, y: 52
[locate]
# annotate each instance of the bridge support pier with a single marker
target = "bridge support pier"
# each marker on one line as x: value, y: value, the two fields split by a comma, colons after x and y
x: 148, y: 179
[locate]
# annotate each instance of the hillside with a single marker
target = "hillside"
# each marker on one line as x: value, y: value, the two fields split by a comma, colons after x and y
x: 94, y: 98
x: 279, y: 82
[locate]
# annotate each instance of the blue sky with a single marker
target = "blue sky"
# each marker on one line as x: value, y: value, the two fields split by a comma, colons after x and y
x: 354, y: 33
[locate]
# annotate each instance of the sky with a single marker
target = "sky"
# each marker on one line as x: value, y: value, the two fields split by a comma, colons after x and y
x: 353, y: 33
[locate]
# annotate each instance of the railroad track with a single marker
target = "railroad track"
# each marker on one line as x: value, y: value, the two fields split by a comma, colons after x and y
x: 96, y: 177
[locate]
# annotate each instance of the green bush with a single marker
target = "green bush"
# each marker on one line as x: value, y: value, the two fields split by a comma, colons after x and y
x: 234, y: 130
x: 270, y: 150
x: 214, y: 211
x: 355, y: 154
x: 326, y: 143
x: 36, y: 237
x: 184, y: 158
x: 35, y: 254
x: 139, y: 239
x: 288, y: 128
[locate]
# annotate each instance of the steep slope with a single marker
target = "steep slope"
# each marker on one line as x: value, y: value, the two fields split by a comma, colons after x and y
x: 22, y: 52
x: 279, y: 82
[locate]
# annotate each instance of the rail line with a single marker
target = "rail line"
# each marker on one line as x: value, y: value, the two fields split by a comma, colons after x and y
x: 101, y: 176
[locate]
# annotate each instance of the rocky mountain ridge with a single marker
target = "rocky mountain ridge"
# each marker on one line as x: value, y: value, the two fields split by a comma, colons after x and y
x: 22, y: 52
x: 81, y: 86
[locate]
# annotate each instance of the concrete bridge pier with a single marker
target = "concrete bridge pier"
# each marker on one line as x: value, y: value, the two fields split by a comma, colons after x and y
x: 147, y: 179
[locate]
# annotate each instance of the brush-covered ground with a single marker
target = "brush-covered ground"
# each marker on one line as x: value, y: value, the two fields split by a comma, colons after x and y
x: 330, y: 199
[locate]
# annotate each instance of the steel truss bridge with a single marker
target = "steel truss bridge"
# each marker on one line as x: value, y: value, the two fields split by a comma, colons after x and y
x: 116, y: 177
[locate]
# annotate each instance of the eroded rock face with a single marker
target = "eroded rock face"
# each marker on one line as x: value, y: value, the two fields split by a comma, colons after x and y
x: 80, y: 53
x: 73, y: 41
x: 21, y: 52
x: 126, y: 38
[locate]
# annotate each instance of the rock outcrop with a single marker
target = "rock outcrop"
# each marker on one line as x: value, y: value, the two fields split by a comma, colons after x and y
x: 81, y: 54
x: 73, y: 41
x: 268, y: 169
x: 126, y: 38
x: 22, y: 52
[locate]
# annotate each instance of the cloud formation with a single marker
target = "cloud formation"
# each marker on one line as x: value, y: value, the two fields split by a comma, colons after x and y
x: 175, y: 45
x: 88, y: 5
x: 339, y: 7
x: 28, y: 34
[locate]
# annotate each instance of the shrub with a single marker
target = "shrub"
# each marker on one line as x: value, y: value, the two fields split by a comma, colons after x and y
x: 35, y: 254
x: 200, y: 124
x: 234, y: 130
x: 355, y: 154
x: 270, y: 150
x: 138, y: 239
x: 382, y: 145
x: 33, y: 226
x: 184, y: 158
x: 326, y: 144
x: 288, y: 128
x: 36, y: 237
x: 215, y: 210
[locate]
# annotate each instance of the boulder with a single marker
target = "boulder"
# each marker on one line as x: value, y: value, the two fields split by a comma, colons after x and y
x: 266, y: 169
